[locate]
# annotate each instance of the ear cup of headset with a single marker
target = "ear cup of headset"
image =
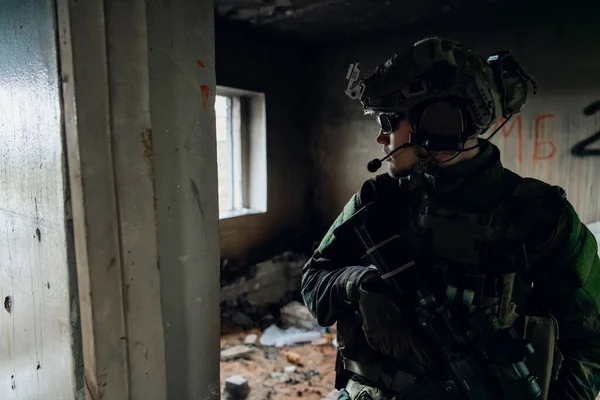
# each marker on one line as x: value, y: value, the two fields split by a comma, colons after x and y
x: 442, y: 118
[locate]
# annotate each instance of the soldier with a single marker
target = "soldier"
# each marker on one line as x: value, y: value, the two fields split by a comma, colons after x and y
x: 484, y: 237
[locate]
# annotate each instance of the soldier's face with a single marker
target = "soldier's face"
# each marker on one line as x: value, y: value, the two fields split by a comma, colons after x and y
x: 404, y: 159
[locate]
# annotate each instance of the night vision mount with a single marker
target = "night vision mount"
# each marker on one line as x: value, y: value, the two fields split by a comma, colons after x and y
x: 355, y: 88
x: 512, y: 82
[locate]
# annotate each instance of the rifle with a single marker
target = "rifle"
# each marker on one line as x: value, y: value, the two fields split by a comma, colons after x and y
x: 482, y: 360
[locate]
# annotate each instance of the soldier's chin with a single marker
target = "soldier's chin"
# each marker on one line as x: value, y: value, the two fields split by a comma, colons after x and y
x: 395, y: 172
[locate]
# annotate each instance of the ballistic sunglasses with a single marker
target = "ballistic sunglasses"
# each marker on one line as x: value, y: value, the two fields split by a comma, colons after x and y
x: 389, y: 122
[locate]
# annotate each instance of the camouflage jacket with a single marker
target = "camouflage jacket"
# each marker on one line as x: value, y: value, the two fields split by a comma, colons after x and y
x: 561, y: 250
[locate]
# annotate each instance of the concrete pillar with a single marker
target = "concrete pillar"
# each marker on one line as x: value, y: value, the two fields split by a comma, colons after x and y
x: 139, y: 82
x: 182, y: 91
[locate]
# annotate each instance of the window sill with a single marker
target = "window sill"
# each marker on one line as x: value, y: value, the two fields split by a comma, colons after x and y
x: 239, y: 213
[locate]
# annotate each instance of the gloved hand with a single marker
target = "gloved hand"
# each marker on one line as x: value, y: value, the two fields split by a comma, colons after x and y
x: 390, y: 328
x: 385, y: 325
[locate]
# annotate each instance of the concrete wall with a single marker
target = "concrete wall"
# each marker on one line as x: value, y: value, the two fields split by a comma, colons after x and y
x: 36, y: 324
x: 557, y: 46
x: 278, y: 69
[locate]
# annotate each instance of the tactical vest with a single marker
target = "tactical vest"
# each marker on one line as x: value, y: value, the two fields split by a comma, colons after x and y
x: 475, y: 260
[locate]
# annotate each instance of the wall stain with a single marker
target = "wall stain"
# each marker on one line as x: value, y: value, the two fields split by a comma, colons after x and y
x: 126, y: 297
x: 205, y: 91
x: 201, y: 63
x: 196, y: 193
x: 111, y: 263
x: 148, y: 150
x: 144, y: 349
x: 8, y: 304
x: 38, y: 233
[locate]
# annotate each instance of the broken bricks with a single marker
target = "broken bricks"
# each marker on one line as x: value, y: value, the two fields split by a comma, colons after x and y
x: 236, y: 352
x: 237, y: 387
x: 251, y: 339
x: 289, y: 369
x: 297, y: 315
x: 320, y: 341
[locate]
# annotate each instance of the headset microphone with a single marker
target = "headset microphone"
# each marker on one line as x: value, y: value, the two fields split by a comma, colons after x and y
x: 376, y: 163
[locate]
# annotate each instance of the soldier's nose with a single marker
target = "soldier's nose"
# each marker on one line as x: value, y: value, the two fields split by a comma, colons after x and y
x: 382, y: 138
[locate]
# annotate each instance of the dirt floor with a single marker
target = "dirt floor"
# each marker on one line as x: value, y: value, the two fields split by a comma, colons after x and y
x: 312, y: 379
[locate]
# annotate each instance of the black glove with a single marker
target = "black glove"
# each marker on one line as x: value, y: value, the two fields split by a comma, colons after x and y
x: 384, y: 323
x: 390, y: 328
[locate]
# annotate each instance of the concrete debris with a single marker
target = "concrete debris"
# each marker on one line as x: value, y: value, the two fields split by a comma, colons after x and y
x: 271, y: 355
x: 333, y: 395
x: 289, y: 369
x: 268, y: 376
x: 270, y: 281
x: 237, y: 387
x: 241, y: 319
x: 276, y: 375
x: 251, y: 339
x: 334, y: 342
x: 297, y: 315
x: 320, y: 341
x: 236, y: 352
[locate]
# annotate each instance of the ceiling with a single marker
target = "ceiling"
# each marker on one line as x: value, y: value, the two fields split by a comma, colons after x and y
x: 317, y: 20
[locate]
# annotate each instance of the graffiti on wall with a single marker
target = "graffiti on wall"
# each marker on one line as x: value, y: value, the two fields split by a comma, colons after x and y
x: 543, y: 125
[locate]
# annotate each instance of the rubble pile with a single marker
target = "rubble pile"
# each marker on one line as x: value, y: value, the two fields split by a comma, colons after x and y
x: 291, y: 360
x: 255, y: 296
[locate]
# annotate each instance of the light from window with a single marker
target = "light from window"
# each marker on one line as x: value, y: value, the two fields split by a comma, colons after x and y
x: 225, y: 156
x: 241, y: 152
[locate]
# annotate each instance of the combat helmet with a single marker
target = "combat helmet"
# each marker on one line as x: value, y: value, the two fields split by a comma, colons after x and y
x: 445, y: 90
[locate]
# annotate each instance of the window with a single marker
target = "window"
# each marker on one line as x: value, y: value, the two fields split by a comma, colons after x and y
x: 241, y: 152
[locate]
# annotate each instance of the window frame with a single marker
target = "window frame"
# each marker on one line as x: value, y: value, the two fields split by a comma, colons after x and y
x: 247, y: 141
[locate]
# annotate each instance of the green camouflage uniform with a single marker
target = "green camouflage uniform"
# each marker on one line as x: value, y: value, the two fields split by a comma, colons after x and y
x: 561, y: 251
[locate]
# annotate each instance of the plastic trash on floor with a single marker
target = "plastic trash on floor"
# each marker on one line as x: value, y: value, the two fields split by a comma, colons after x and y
x: 275, y: 336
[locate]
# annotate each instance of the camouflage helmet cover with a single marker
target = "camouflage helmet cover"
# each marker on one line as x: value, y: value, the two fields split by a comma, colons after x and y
x: 433, y: 68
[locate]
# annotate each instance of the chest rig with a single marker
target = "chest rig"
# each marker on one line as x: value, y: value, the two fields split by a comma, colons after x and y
x: 471, y: 262
x: 454, y: 272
